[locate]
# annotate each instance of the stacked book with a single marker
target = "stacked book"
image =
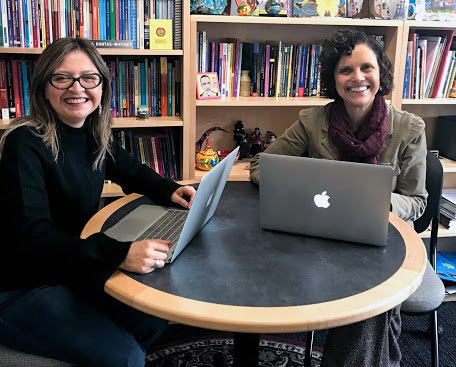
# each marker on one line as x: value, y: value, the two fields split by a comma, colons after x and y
x: 448, y: 209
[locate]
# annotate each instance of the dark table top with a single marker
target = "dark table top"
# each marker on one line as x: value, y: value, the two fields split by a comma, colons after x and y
x: 236, y: 276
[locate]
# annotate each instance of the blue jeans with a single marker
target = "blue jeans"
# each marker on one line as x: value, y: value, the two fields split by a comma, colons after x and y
x: 60, y: 323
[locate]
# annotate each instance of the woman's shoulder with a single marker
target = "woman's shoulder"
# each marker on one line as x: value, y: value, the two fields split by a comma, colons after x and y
x: 407, y: 118
x: 313, y: 114
x: 23, y: 136
x: 407, y: 121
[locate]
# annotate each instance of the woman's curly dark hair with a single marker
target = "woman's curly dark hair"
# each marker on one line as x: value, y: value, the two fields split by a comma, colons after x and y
x: 342, y: 43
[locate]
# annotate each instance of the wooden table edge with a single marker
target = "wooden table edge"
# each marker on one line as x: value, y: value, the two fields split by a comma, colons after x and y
x: 270, y: 319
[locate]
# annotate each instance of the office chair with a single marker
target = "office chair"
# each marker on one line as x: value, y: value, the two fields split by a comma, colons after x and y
x: 13, y: 358
x: 430, y: 294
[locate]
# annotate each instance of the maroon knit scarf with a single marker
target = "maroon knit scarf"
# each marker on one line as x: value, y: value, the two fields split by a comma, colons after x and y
x: 367, y: 143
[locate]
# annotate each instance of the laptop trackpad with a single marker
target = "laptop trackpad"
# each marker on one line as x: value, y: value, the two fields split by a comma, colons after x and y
x: 130, y: 227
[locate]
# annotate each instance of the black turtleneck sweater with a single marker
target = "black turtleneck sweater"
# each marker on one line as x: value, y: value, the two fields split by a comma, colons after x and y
x: 46, y: 204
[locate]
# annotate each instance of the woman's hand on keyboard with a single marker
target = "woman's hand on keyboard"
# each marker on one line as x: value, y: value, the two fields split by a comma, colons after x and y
x: 184, y: 196
x: 143, y: 255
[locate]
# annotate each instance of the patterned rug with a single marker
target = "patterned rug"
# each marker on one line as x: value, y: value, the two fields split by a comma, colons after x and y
x: 210, y: 352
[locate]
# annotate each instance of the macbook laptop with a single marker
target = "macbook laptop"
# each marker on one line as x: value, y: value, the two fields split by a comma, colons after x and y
x: 176, y: 225
x: 325, y: 198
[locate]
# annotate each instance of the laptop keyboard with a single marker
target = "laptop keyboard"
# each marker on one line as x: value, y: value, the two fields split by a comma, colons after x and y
x: 168, y: 227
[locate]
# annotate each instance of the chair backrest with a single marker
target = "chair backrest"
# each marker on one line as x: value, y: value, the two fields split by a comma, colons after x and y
x: 434, y: 184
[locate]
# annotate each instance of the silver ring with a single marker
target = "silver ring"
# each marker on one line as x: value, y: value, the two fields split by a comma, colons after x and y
x: 157, y: 263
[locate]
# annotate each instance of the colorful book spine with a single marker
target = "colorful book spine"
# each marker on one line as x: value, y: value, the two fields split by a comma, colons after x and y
x: 170, y: 88
x: 15, y: 76
x: 132, y: 23
x: 164, y: 86
x: 266, y: 73
x: 3, y: 91
x: 25, y: 87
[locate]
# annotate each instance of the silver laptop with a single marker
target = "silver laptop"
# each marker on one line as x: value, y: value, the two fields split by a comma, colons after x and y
x: 177, y: 225
x: 325, y: 198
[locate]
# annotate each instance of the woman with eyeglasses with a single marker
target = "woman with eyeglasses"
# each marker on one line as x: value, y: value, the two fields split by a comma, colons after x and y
x: 52, y: 169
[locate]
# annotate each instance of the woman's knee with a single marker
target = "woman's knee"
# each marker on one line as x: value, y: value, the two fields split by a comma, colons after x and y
x: 127, y: 355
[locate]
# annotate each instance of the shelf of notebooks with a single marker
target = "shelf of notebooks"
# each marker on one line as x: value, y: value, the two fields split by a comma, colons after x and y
x: 102, y: 51
x: 331, y: 21
x: 131, y: 122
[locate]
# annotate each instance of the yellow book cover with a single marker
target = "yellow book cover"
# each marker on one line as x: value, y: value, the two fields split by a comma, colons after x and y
x: 161, y: 34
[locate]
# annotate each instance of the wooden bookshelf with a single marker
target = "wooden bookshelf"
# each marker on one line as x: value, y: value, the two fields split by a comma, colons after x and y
x: 238, y: 172
x: 448, y: 165
x: 429, y: 101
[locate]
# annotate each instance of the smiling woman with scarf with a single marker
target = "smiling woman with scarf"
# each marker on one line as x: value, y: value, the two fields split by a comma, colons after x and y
x: 360, y: 127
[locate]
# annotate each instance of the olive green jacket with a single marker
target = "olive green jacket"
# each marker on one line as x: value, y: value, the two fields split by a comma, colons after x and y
x: 405, y: 152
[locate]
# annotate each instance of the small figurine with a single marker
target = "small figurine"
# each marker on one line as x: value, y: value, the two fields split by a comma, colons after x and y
x: 273, y: 7
x: 244, y: 9
x: 271, y: 138
x: 256, y: 142
x: 239, y: 133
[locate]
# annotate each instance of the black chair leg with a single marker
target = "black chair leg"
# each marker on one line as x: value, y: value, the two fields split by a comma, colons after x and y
x: 309, y: 347
x: 434, y: 339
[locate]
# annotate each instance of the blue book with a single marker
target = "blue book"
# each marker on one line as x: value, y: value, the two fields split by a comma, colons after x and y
x: 25, y: 86
x: 121, y: 20
x: 102, y: 12
x: 27, y: 21
x: 303, y: 71
x: 108, y: 19
x: 143, y: 84
x: 446, y: 265
x: 406, y: 92
x: 132, y: 24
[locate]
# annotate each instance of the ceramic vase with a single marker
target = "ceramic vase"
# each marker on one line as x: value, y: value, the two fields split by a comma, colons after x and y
x: 245, y: 84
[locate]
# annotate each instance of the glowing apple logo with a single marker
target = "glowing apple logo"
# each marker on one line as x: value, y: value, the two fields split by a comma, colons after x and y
x: 321, y: 200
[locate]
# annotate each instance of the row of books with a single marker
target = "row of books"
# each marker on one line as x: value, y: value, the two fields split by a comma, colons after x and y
x: 275, y: 70
x: 387, y: 9
x: 159, y: 150
x: 37, y: 23
x: 430, y: 67
x: 154, y: 84
x: 15, y: 81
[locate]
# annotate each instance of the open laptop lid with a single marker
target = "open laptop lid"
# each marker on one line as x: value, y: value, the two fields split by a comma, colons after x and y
x: 325, y: 198
x: 206, y: 200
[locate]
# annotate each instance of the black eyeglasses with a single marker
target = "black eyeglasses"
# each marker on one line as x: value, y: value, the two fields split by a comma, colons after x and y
x: 65, y: 81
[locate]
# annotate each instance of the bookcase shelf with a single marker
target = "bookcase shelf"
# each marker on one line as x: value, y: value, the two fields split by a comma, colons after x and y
x: 429, y: 101
x: 131, y: 122
x: 164, y: 121
x: 263, y: 102
x: 449, y: 166
x: 238, y: 172
x: 334, y: 21
x: 442, y: 232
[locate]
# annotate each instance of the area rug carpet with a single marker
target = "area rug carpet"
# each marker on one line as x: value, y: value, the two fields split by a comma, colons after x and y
x: 210, y: 352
